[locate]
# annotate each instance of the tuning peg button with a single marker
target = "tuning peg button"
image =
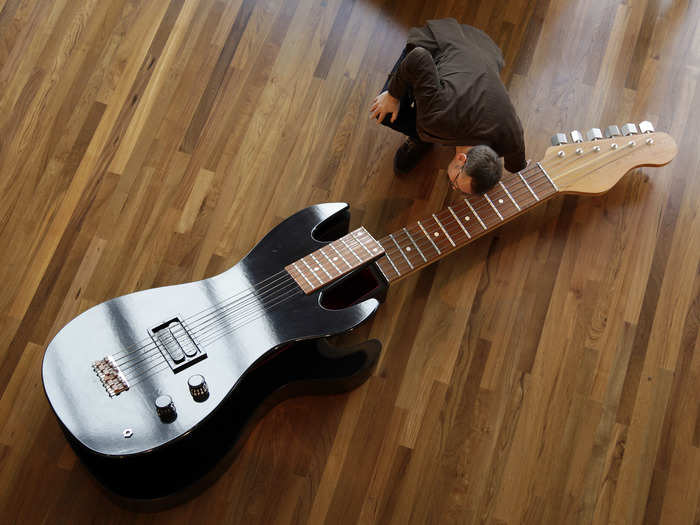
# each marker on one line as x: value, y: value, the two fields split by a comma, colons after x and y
x: 646, y: 127
x: 594, y: 134
x: 576, y: 136
x: 629, y: 129
x: 612, y: 131
x: 558, y: 139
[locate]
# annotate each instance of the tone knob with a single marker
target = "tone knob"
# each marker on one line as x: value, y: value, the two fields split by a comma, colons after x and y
x: 165, y: 409
x: 576, y: 136
x: 594, y: 134
x: 198, y: 387
x: 612, y: 131
x: 629, y: 129
x: 558, y: 139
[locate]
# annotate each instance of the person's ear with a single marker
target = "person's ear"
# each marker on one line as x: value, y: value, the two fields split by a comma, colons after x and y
x: 462, y: 158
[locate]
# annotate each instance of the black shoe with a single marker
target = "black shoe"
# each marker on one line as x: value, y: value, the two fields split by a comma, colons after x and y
x: 409, y: 154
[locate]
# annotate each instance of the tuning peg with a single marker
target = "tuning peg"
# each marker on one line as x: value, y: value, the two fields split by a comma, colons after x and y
x: 576, y: 136
x: 594, y: 134
x: 558, y: 139
x: 629, y: 129
x: 646, y: 127
x: 612, y: 131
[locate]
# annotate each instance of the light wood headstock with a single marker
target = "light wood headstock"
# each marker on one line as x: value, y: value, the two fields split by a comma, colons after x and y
x: 595, y: 166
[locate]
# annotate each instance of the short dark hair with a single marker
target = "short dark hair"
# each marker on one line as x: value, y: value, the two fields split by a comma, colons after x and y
x: 484, y: 166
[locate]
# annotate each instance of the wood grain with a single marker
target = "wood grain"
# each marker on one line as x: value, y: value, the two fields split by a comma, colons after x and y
x: 548, y: 373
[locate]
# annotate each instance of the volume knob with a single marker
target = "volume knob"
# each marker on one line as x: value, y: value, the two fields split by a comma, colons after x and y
x: 165, y: 409
x: 198, y: 387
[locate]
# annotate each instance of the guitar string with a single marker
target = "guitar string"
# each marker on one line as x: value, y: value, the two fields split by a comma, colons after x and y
x: 242, y: 293
x: 566, y: 174
x: 245, y: 291
x: 150, y: 372
x: 221, y: 328
x: 221, y: 317
x: 542, y: 181
x: 478, y: 206
x: 256, y: 292
x: 257, y: 297
x: 512, y: 193
x: 291, y: 294
x: 230, y: 328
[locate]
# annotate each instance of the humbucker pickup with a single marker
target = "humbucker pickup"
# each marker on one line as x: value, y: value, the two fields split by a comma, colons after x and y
x: 176, y: 344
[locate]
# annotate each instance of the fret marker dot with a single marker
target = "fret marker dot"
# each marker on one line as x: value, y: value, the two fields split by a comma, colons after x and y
x: 436, y: 234
x: 466, y: 218
x: 500, y: 201
x: 374, y: 250
x: 408, y: 248
x: 316, y: 269
x: 335, y: 258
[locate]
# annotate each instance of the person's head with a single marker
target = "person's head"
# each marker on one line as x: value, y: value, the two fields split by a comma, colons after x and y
x: 482, y: 169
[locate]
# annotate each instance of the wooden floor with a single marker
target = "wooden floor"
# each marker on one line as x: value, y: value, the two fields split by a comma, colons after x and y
x: 547, y: 373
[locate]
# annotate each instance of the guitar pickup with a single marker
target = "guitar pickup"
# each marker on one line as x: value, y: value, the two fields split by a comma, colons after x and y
x: 176, y: 344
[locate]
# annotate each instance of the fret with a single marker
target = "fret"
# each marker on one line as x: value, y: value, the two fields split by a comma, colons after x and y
x: 494, y: 207
x: 509, y: 195
x: 408, y: 249
x: 414, y: 244
x: 321, y: 266
x: 386, y: 270
x: 362, y: 244
x: 303, y: 275
x: 444, y: 230
x: 340, y: 255
x: 528, y: 187
x: 435, y: 233
x: 504, y: 204
x: 475, y: 214
x: 351, y: 250
x: 428, y: 236
x: 548, y: 178
x: 459, y: 222
x: 391, y: 236
x: 468, y: 220
x: 311, y: 270
x: 386, y: 255
x: 330, y: 261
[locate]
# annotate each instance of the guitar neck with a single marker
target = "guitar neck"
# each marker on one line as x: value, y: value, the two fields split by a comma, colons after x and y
x: 428, y: 240
x: 591, y: 167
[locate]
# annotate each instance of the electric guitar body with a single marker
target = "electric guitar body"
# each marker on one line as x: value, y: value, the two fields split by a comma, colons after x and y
x: 243, y: 336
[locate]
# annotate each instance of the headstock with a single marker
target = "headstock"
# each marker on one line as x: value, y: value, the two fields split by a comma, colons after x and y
x: 594, y: 165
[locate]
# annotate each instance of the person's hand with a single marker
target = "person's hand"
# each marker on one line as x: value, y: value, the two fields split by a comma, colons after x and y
x: 384, y: 104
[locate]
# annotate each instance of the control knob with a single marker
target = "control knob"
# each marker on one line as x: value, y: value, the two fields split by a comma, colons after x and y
x: 165, y: 409
x: 198, y: 387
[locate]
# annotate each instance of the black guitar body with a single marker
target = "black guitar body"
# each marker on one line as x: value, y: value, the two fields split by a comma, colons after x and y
x: 256, y: 339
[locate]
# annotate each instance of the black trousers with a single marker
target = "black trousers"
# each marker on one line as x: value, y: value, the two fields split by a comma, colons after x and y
x: 406, y: 120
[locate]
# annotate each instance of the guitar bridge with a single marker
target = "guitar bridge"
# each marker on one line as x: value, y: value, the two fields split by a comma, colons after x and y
x: 176, y: 344
x: 110, y: 376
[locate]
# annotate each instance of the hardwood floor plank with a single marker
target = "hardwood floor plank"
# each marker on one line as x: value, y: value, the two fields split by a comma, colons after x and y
x: 546, y: 374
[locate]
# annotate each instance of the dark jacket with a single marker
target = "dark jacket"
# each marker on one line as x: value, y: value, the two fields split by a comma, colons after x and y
x: 454, y: 73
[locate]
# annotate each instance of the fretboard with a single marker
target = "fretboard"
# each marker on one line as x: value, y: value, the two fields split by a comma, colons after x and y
x: 334, y: 260
x: 415, y: 246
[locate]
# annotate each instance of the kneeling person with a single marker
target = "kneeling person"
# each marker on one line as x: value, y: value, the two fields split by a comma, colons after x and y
x: 446, y: 89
